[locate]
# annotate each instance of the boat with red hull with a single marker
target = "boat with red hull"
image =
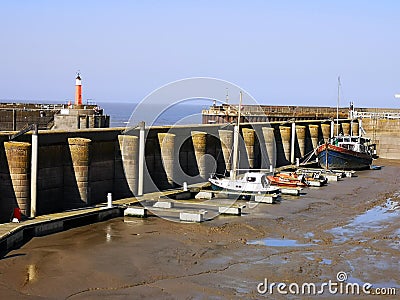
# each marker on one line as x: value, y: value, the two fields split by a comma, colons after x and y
x: 291, y: 180
x: 346, y: 153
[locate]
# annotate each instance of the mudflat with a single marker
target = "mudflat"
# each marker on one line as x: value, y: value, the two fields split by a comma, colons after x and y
x: 350, y: 227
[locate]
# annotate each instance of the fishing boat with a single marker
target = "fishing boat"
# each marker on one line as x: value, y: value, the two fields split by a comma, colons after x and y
x: 346, y: 153
x: 251, y: 182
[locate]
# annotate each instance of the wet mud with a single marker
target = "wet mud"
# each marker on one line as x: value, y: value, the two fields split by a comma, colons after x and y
x: 350, y: 226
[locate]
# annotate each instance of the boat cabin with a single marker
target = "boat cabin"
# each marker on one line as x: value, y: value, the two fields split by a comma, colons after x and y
x: 255, y: 177
x: 354, y: 143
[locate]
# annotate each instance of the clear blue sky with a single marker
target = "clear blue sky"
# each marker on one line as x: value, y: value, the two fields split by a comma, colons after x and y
x: 282, y: 52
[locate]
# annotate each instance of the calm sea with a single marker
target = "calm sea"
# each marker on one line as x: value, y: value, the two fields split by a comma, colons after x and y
x: 182, y: 113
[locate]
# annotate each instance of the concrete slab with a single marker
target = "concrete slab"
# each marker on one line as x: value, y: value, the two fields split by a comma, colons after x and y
x: 331, y: 177
x: 290, y: 191
x: 164, y: 204
x: 233, y: 210
x: 314, y: 183
x: 135, y: 212
x: 265, y: 198
x: 350, y: 173
x: 192, y: 216
x: 204, y: 195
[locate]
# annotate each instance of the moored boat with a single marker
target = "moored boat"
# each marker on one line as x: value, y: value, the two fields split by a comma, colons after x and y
x: 346, y: 153
x: 291, y: 180
x: 251, y: 182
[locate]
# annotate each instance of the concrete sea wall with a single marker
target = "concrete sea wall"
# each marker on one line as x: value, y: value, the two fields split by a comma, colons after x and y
x: 78, y: 168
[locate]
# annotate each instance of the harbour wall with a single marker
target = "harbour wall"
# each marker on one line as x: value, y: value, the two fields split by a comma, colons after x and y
x: 79, y: 168
x: 386, y: 134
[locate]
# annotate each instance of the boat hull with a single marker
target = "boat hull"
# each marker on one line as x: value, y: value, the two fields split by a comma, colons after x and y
x: 232, y: 186
x: 342, y: 159
x: 277, y: 181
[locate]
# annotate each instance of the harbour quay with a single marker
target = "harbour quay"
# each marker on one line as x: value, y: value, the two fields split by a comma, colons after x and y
x: 78, y: 168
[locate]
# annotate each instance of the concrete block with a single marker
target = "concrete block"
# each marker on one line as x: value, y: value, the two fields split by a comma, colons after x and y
x: 331, y: 177
x: 164, y: 204
x: 183, y: 195
x: 233, y: 210
x: 265, y: 198
x: 135, y: 212
x: 314, y: 183
x: 350, y: 173
x: 192, y: 216
x: 204, y: 195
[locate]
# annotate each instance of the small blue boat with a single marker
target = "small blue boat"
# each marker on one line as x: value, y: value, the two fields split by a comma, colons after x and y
x: 346, y: 153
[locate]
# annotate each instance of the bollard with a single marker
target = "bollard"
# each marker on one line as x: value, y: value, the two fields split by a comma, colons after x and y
x: 185, y: 187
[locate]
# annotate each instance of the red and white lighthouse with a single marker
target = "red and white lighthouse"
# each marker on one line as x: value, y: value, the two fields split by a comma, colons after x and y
x: 78, y: 90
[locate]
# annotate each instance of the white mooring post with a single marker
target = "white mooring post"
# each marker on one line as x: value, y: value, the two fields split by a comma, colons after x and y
x: 185, y: 186
x: 141, y: 157
x: 292, y: 142
x: 109, y: 200
x: 34, y: 170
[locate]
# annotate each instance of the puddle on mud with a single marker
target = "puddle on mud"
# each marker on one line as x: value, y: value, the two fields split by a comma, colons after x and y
x: 370, y: 220
x: 326, y: 261
x: 309, y: 235
x: 278, y: 243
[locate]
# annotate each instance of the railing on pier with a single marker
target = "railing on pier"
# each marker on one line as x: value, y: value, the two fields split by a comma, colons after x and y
x: 376, y: 115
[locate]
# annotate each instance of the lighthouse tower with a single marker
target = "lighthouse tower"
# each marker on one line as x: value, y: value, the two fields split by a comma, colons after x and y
x: 78, y: 90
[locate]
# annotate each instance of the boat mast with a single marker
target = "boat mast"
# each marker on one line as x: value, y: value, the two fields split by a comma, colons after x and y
x: 236, y: 140
x: 337, y: 107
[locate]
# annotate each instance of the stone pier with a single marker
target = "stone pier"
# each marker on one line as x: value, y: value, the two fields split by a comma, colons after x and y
x: 285, y: 136
x: 346, y: 128
x: 270, y: 145
x: 226, y: 138
x: 199, y: 139
x: 126, y: 166
x: 167, y: 146
x: 77, y: 189
x: 326, y: 131
x: 301, y: 138
x: 16, y: 188
x: 314, y: 133
x: 356, y: 128
x: 249, y: 139
x: 336, y: 129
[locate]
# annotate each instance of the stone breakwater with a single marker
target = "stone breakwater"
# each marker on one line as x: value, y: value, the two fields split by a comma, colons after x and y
x: 79, y: 168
